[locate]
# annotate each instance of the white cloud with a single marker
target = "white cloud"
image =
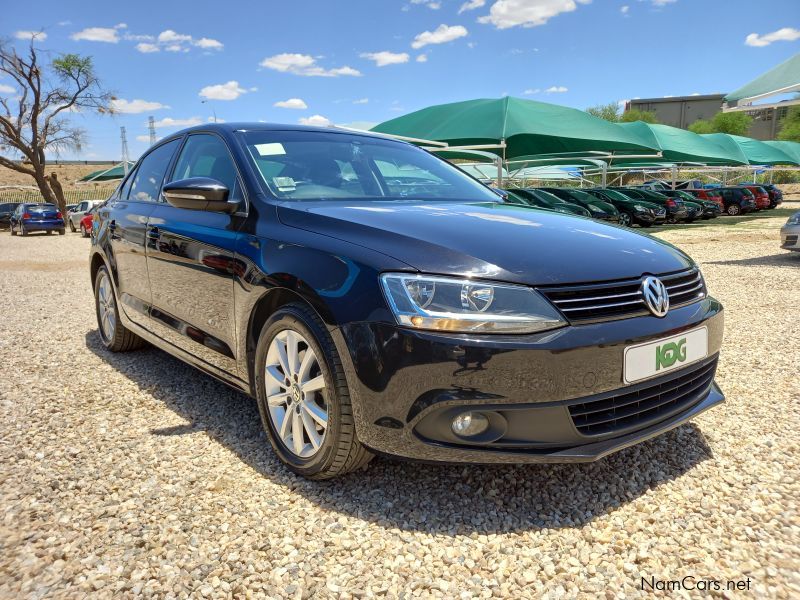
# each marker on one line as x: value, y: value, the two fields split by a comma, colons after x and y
x: 422, y: 58
x: 296, y: 103
x: 663, y: 2
x: 305, y: 65
x: 170, y: 122
x: 24, y: 34
x: 471, y: 5
x: 176, y: 48
x: 785, y: 34
x: 209, y: 44
x: 169, y: 35
x: 624, y: 9
x: 385, y: 58
x: 316, y: 120
x: 121, y: 105
x: 432, y: 4
x: 556, y: 89
x: 527, y: 13
x: 135, y: 37
x: 362, y: 125
x: 441, y: 35
x: 146, y: 47
x: 109, y: 35
x: 6, y: 89
x: 531, y: 91
x: 145, y: 138
x: 361, y: 101
x: 223, y: 91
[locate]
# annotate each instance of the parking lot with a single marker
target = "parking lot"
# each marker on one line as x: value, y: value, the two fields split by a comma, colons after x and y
x: 129, y: 474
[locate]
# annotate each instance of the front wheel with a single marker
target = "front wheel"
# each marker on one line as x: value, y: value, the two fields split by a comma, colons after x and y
x: 733, y: 210
x: 303, y: 397
x: 114, y: 335
x: 626, y: 219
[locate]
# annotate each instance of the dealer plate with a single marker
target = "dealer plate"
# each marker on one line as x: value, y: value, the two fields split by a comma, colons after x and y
x: 651, y: 359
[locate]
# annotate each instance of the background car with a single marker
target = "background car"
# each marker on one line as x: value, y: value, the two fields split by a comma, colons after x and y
x: 676, y: 211
x: 774, y: 192
x: 544, y: 199
x: 76, y: 215
x: 631, y: 211
x: 600, y: 210
x: 712, y: 195
x: 790, y: 233
x: 6, y: 210
x: 760, y: 194
x: 705, y: 209
x: 37, y: 217
x: 86, y: 221
x: 737, y: 200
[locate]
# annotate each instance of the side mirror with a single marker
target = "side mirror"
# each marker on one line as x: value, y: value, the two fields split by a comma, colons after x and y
x: 200, y: 193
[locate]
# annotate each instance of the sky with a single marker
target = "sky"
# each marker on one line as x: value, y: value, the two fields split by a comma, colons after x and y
x: 361, y: 62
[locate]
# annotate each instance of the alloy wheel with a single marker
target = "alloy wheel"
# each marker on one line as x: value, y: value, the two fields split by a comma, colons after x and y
x: 625, y: 219
x: 106, y: 307
x: 296, y: 393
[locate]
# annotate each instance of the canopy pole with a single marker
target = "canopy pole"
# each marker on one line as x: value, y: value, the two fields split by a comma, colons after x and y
x: 674, y: 176
x: 604, y: 176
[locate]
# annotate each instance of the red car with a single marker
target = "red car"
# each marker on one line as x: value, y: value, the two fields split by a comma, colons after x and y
x: 762, y: 197
x: 711, y: 195
x: 86, y: 222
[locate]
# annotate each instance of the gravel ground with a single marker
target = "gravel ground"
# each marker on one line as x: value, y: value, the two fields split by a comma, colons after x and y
x: 135, y: 475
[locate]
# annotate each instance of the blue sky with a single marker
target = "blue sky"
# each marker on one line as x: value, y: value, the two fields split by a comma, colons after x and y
x: 360, y: 62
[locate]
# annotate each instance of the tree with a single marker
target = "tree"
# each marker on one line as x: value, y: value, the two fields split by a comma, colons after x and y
x: 790, y: 125
x: 735, y: 123
x: 607, y: 112
x: 33, y: 119
x: 634, y: 114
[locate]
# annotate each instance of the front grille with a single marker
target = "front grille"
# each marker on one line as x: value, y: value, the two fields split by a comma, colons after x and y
x: 623, y: 298
x: 791, y: 240
x: 644, y: 404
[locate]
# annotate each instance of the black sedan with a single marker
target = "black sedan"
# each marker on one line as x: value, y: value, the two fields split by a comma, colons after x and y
x: 373, y: 298
x: 676, y: 210
x: 599, y: 209
x: 547, y: 200
x: 631, y: 212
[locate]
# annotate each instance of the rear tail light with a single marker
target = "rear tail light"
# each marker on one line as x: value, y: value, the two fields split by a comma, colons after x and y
x: 26, y: 215
x: 58, y: 215
x: 671, y: 203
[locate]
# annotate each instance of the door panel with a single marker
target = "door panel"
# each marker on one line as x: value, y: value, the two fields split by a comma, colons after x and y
x: 191, y: 265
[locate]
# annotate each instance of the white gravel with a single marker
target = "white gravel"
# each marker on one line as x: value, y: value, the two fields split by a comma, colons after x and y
x: 135, y: 475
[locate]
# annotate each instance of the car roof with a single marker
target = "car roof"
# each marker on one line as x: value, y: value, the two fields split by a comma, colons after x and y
x: 259, y: 126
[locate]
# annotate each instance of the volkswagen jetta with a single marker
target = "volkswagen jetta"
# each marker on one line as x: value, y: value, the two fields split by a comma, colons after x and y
x: 373, y: 298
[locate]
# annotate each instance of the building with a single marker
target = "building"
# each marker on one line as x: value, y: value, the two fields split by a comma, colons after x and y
x: 682, y: 111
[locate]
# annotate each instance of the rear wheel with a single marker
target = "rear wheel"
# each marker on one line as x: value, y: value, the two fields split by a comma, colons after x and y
x: 22, y: 230
x: 84, y: 233
x: 114, y: 335
x: 303, y: 396
x: 13, y: 231
x: 733, y: 210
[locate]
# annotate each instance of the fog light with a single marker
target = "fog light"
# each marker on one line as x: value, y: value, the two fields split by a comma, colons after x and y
x: 469, y: 424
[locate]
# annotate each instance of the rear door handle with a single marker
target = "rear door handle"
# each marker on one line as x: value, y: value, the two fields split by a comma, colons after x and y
x: 153, y: 233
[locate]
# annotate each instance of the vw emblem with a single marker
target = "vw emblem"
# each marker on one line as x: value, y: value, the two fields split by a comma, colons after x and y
x: 655, y: 296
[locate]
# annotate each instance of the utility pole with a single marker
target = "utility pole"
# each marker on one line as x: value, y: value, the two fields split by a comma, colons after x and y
x: 151, y: 124
x: 213, y: 110
x: 124, y: 139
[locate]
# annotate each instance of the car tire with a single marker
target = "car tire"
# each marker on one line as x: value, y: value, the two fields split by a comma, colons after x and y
x: 114, y: 335
x: 333, y: 451
x: 626, y: 219
x: 49, y: 231
x: 84, y: 233
x: 61, y: 232
x: 72, y: 226
x: 733, y: 210
x: 22, y: 230
x: 13, y: 231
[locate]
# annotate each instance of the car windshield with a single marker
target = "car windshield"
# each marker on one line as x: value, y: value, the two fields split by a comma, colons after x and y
x: 310, y: 165
x: 615, y: 195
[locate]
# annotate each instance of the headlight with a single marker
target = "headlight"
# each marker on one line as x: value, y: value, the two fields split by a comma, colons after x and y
x: 464, y: 305
x: 794, y: 219
x: 596, y: 208
x: 640, y: 208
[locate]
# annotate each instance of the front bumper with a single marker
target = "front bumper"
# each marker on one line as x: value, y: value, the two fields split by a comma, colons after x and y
x: 790, y: 237
x: 407, y: 385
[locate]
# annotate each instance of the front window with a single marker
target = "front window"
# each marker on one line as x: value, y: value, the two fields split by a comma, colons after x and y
x: 303, y: 165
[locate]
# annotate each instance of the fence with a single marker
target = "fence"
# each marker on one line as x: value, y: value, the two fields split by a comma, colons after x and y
x: 71, y: 196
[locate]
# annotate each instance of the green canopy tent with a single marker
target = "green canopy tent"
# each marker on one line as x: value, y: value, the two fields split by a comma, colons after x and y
x: 790, y: 149
x: 476, y: 156
x: 783, y: 79
x: 115, y: 172
x: 681, y: 146
x: 512, y: 127
x: 756, y: 152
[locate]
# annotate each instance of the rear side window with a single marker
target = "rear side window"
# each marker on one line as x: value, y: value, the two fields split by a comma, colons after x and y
x: 146, y: 182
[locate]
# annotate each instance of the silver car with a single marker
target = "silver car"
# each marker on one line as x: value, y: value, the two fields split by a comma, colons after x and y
x: 76, y: 214
x: 790, y: 233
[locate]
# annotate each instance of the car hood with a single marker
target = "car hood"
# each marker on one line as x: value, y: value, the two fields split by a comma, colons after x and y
x: 491, y: 240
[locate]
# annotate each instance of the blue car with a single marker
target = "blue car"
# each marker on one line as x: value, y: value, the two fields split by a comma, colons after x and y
x: 36, y: 217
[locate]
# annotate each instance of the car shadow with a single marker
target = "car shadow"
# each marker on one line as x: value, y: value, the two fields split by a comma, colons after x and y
x: 411, y: 496
x: 783, y: 259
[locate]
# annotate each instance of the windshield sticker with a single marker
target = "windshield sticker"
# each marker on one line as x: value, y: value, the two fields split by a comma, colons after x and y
x: 271, y: 149
x: 284, y: 184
